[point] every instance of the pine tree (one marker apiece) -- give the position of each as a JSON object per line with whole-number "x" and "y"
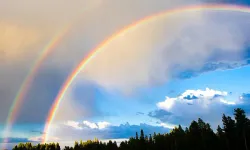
{"x": 136, "y": 136}
{"x": 229, "y": 129}
{"x": 142, "y": 135}
{"x": 150, "y": 139}
{"x": 241, "y": 125}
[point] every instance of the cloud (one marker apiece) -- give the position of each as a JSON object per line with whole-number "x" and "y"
{"x": 245, "y": 97}
{"x": 48, "y": 82}
{"x": 239, "y": 2}
{"x": 168, "y": 48}
{"x": 152, "y": 50}
{"x": 209, "y": 104}
{"x": 42, "y": 92}
{"x": 14, "y": 140}
{"x": 14, "y": 45}
{"x": 102, "y": 125}
{"x": 209, "y": 67}
{"x": 29, "y": 10}
{"x": 41, "y": 138}
{"x": 87, "y": 124}
{"x": 171, "y": 91}
{"x": 73, "y": 124}
{"x": 160, "y": 114}
{"x": 167, "y": 125}
{"x": 23, "y": 40}
{"x": 73, "y": 130}
{"x": 28, "y": 29}
{"x": 244, "y": 102}
{"x": 179, "y": 46}
{"x": 40, "y": 132}
{"x": 188, "y": 97}
{"x": 139, "y": 113}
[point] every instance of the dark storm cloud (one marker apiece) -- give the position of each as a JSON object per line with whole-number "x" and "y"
{"x": 42, "y": 93}
{"x": 209, "y": 67}
{"x": 11, "y": 76}
{"x": 45, "y": 87}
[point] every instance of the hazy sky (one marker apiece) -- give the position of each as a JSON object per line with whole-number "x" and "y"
{"x": 166, "y": 72}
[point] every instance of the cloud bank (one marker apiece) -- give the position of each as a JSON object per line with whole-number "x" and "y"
{"x": 207, "y": 104}
{"x": 171, "y": 47}
{"x": 101, "y": 130}
{"x": 146, "y": 56}
{"x": 27, "y": 29}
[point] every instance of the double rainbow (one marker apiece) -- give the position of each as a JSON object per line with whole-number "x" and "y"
{"x": 133, "y": 26}
{"x": 47, "y": 50}
{"x": 25, "y": 86}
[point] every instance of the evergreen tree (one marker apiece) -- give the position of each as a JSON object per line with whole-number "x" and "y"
{"x": 241, "y": 126}
{"x": 136, "y": 136}
{"x": 230, "y": 134}
{"x": 142, "y": 135}
{"x": 234, "y": 135}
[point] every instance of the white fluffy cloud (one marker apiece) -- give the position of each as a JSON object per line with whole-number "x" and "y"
{"x": 73, "y": 130}
{"x": 208, "y": 104}
{"x": 103, "y": 125}
{"x": 73, "y": 124}
{"x": 200, "y": 99}
{"x": 41, "y": 138}
{"x": 167, "y": 125}
{"x": 87, "y": 124}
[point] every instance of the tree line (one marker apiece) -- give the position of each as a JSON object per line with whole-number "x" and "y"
{"x": 234, "y": 134}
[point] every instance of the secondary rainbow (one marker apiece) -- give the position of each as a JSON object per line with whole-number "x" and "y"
{"x": 137, "y": 24}
{"x": 30, "y": 76}
{"x": 14, "y": 109}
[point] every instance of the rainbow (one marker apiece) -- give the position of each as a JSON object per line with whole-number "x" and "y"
{"x": 14, "y": 109}
{"x": 133, "y": 26}
{"x": 28, "y": 79}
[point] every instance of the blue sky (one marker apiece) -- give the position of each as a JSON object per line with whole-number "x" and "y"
{"x": 166, "y": 72}
{"x": 145, "y": 100}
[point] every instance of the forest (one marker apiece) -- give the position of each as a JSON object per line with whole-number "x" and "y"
{"x": 233, "y": 134}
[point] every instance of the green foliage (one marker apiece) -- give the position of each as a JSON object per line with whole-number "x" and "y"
{"x": 233, "y": 135}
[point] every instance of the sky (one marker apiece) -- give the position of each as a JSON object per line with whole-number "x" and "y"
{"x": 155, "y": 76}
